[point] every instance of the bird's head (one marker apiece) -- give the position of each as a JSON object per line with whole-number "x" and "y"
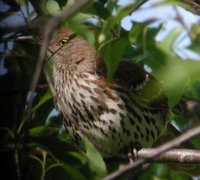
{"x": 69, "y": 50}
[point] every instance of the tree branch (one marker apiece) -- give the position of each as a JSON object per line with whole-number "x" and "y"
{"x": 173, "y": 155}
{"x": 194, "y": 5}
{"x": 156, "y": 152}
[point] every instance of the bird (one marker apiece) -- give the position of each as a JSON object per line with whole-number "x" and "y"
{"x": 130, "y": 111}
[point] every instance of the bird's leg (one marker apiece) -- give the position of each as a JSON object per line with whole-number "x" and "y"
{"x": 133, "y": 154}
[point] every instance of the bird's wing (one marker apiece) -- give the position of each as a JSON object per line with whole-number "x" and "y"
{"x": 148, "y": 89}
{"x": 134, "y": 79}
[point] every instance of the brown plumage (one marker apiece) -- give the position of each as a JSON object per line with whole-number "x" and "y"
{"x": 129, "y": 111}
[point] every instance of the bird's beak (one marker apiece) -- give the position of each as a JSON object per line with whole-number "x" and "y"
{"x": 30, "y": 39}
{"x": 33, "y": 40}
{"x": 24, "y": 38}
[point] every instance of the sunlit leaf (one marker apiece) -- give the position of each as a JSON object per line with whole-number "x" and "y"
{"x": 113, "y": 55}
{"x": 95, "y": 160}
{"x": 81, "y": 30}
{"x": 167, "y": 44}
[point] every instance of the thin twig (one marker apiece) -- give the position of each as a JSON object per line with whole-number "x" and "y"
{"x": 157, "y": 151}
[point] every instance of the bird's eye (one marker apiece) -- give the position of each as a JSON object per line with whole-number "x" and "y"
{"x": 64, "y": 41}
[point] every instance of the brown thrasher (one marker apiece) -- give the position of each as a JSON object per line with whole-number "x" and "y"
{"x": 128, "y": 112}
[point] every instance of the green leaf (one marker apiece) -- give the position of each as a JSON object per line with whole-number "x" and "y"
{"x": 137, "y": 33}
{"x": 52, "y": 7}
{"x": 167, "y": 44}
{"x": 122, "y": 12}
{"x": 196, "y": 142}
{"x": 43, "y": 100}
{"x": 101, "y": 10}
{"x": 176, "y": 90}
{"x": 62, "y": 3}
{"x": 43, "y": 131}
{"x": 176, "y": 74}
{"x": 95, "y": 160}
{"x": 178, "y": 175}
{"x": 79, "y": 156}
{"x": 113, "y": 55}
{"x": 81, "y": 30}
{"x": 179, "y": 76}
{"x": 60, "y": 148}
{"x": 74, "y": 173}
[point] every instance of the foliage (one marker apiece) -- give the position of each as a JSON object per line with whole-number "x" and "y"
{"x": 38, "y": 147}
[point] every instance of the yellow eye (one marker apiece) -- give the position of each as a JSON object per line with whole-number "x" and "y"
{"x": 63, "y": 41}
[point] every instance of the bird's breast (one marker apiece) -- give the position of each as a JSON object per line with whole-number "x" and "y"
{"x": 111, "y": 116}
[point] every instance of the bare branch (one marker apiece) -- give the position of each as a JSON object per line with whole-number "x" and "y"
{"x": 156, "y": 152}
{"x": 194, "y": 5}
{"x": 173, "y": 155}
{"x": 178, "y": 155}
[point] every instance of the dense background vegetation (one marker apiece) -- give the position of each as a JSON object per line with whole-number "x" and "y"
{"x": 34, "y": 144}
